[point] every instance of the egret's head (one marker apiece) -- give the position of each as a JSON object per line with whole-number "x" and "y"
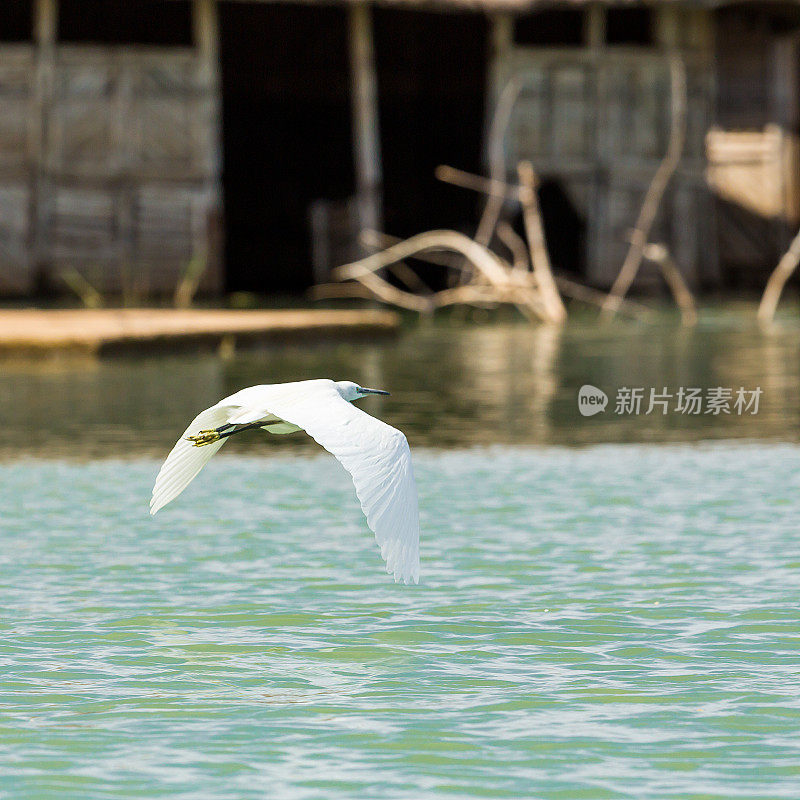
{"x": 352, "y": 391}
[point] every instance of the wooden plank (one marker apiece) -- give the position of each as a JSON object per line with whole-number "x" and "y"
{"x": 17, "y": 101}
{"x": 114, "y": 331}
{"x": 16, "y": 274}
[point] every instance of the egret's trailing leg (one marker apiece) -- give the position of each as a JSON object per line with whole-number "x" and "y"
{"x": 215, "y": 434}
{"x": 204, "y": 437}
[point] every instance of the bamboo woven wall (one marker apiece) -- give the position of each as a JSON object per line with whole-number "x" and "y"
{"x": 18, "y": 144}
{"x": 107, "y": 167}
{"x": 597, "y": 121}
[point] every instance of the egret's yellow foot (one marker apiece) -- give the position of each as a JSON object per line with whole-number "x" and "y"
{"x": 204, "y": 437}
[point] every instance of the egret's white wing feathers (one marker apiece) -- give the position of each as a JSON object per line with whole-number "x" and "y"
{"x": 377, "y": 457}
{"x": 185, "y": 460}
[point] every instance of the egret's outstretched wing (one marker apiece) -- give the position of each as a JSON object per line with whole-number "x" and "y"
{"x": 379, "y": 460}
{"x": 185, "y": 460}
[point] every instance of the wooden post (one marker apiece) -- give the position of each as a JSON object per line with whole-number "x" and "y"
{"x": 502, "y": 96}
{"x": 668, "y": 27}
{"x": 772, "y": 294}
{"x": 205, "y": 34}
{"x": 366, "y": 140}
{"x": 594, "y": 26}
{"x": 45, "y": 33}
{"x": 501, "y": 44}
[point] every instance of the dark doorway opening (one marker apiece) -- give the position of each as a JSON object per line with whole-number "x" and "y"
{"x": 550, "y": 27}
{"x": 431, "y": 83}
{"x": 118, "y": 22}
{"x": 16, "y": 21}
{"x": 628, "y": 26}
{"x": 287, "y": 137}
{"x": 564, "y": 229}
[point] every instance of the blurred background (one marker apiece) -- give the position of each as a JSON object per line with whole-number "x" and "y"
{"x": 250, "y": 142}
{"x": 233, "y": 155}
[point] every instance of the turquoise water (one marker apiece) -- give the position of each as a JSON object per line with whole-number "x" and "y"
{"x": 607, "y": 622}
{"x": 608, "y": 605}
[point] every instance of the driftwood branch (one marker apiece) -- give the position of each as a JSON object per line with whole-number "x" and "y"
{"x": 593, "y": 297}
{"x": 497, "y": 157}
{"x": 658, "y": 254}
{"x": 190, "y": 280}
{"x": 772, "y": 293}
{"x": 516, "y": 246}
{"x": 480, "y": 296}
{"x": 485, "y": 261}
{"x": 655, "y": 191}
{"x": 477, "y": 183}
{"x": 327, "y": 291}
{"x": 540, "y": 259}
{"x": 383, "y": 290}
{"x": 409, "y": 278}
{"x": 378, "y": 240}
{"x": 493, "y": 270}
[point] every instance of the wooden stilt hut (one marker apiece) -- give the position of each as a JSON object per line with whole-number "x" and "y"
{"x": 116, "y": 161}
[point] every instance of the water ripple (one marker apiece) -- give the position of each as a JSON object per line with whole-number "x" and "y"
{"x": 613, "y": 622}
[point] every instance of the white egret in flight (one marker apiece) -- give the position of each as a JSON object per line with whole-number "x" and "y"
{"x": 375, "y": 454}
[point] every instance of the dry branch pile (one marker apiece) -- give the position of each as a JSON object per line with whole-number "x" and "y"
{"x": 498, "y": 266}
{"x": 480, "y": 276}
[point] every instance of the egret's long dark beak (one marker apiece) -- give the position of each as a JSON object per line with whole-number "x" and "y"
{"x": 374, "y": 391}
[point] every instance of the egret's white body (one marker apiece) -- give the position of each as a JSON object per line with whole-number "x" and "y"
{"x": 375, "y": 454}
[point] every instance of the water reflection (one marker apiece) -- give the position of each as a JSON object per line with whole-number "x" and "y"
{"x": 451, "y": 386}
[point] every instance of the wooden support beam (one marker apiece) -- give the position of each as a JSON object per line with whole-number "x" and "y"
{"x": 366, "y": 140}
{"x": 467, "y": 180}
{"x": 501, "y": 43}
{"x": 594, "y": 26}
{"x": 207, "y": 257}
{"x": 205, "y": 34}
{"x": 45, "y": 22}
{"x": 45, "y": 34}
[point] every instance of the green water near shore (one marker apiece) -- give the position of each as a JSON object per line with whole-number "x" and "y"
{"x": 451, "y": 385}
{"x": 613, "y": 620}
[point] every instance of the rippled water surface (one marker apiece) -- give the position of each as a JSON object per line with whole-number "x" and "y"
{"x": 618, "y": 621}
{"x": 608, "y": 605}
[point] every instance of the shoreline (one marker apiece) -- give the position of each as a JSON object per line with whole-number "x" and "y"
{"x": 99, "y": 333}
